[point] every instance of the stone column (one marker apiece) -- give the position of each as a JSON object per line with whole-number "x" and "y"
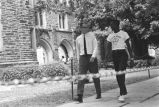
{"x": 1, "y": 38}
{"x": 34, "y": 41}
{"x": 44, "y": 19}
{"x": 38, "y": 19}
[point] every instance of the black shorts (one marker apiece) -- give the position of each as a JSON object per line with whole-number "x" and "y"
{"x": 85, "y": 65}
{"x": 120, "y": 58}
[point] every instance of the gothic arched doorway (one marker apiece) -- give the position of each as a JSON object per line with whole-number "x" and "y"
{"x": 65, "y": 50}
{"x": 44, "y": 53}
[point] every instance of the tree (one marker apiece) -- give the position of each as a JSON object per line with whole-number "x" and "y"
{"x": 136, "y": 16}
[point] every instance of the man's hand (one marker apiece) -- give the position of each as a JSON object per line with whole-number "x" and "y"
{"x": 131, "y": 62}
{"x": 92, "y": 59}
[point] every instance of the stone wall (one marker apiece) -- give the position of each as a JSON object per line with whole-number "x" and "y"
{"x": 1, "y": 41}
{"x": 52, "y": 21}
{"x": 17, "y": 20}
{"x": 59, "y": 35}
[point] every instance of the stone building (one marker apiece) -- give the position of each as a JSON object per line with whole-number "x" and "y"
{"x": 31, "y": 37}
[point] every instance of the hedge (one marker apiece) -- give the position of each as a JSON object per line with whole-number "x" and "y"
{"x": 34, "y": 71}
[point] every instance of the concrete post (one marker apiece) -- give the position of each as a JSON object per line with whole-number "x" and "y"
{"x": 34, "y": 39}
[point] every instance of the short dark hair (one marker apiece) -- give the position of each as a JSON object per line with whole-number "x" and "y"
{"x": 85, "y": 23}
{"x": 114, "y": 24}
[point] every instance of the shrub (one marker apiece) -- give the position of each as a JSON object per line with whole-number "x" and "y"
{"x": 155, "y": 62}
{"x": 34, "y": 71}
{"x": 55, "y": 69}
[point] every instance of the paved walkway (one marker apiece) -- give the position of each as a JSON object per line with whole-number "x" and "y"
{"x": 142, "y": 94}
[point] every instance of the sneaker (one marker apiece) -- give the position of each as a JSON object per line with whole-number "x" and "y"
{"x": 121, "y": 98}
{"x": 125, "y": 96}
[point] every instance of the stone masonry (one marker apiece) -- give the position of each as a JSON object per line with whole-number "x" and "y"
{"x": 17, "y": 22}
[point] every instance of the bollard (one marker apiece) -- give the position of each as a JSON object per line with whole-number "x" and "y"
{"x": 149, "y": 72}
{"x": 72, "y": 75}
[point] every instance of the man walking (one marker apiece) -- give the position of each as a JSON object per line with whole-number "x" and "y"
{"x": 86, "y": 46}
{"x": 119, "y": 40}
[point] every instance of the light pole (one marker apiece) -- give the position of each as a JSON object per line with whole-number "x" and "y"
{"x": 72, "y": 61}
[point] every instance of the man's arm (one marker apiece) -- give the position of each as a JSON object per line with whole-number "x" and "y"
{"x": 108, "y": 49}
{"x": 77, "y": 49}
{"x": 95, "y": 51}
{"x": 94, "y": 54}
{"x": 129, "y": 48}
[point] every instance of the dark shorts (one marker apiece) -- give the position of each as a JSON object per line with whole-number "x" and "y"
{"x": 85, "y": 65}
{"x": 120, "y": 58}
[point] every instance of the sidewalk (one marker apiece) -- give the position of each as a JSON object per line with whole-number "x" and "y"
{"x": 141, "y": 94}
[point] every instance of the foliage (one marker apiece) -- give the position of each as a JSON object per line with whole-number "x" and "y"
{"x": 155, "y": 25}
{"x": 143, "y": 12}
{"x": 100, "y": 12}
{"x": 54, "y": 5}
{"x": 153, "y": 37}
{"x": 33, "y": 71}
{"x": 82, "y": 10}
{"x": 136, "y": 16}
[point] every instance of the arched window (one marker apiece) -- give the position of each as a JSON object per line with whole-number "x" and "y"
{"x": 40, "y": 19}
{"x": 63, "y": 21}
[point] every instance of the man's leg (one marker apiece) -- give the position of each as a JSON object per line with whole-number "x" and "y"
{"x": 124, "y": 90}
{"x": 83, "y": 67}
{"x": 93, "y": 68}
{"x": 121, "y": 83}
{"x": 122, "y": 67}
{"x": 97, "y": 87}
{"x": 121, "y": 77}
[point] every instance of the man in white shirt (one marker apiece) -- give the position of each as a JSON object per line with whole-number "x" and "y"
{"x": 86, "y": 46}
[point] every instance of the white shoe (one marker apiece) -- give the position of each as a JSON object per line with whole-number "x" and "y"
{"x": 121, "y": 98}
{"x": 125, "y": 96}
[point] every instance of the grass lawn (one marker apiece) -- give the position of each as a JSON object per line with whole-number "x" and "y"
{"x": 54, "y": 99}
